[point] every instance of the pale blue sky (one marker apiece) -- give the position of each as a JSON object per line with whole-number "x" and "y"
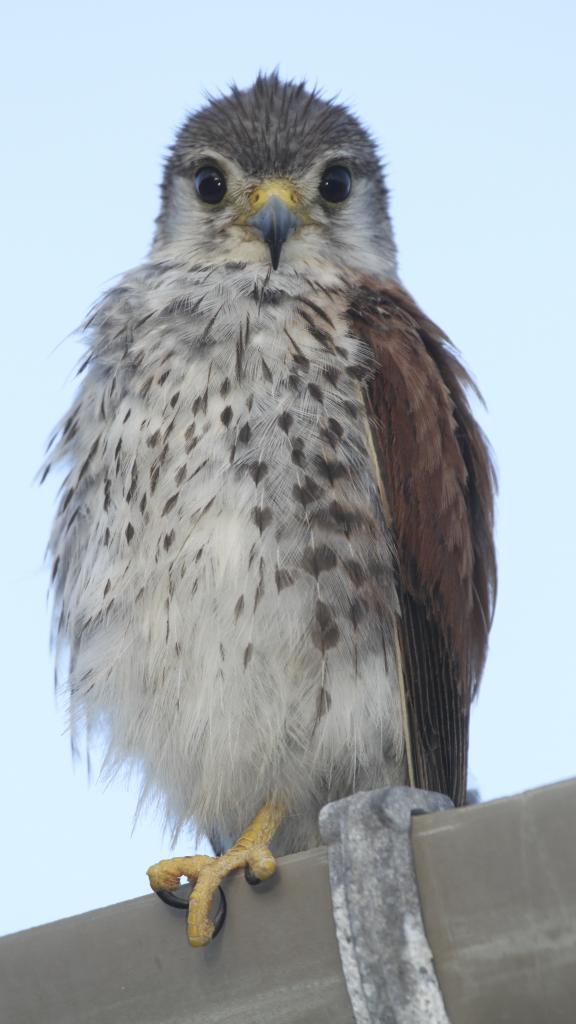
{"x": 473, "y": 107}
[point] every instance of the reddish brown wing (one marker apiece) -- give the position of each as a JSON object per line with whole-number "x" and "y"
{"x": 439, "y": 484}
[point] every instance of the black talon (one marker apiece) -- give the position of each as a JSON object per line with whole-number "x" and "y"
{"x": 250, "y": 877}
{"x": 220, "y": 914}
{"x": 173, "y": 899}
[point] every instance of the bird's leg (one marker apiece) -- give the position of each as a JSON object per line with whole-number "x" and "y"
{"x": 250, "y": 851}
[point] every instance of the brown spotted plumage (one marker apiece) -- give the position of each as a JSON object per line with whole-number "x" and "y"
{"x": 273, "y": 560}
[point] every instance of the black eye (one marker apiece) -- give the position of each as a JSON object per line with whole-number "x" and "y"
{"x": 210, "y": 184}
{"x": 335, "y": 184}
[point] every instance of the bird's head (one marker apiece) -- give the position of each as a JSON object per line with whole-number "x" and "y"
{"x": 275, "y": 175}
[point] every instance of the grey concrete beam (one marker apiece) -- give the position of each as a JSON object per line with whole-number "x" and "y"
{"x": 275, "y": 961}
{"x": 498, "y": 894}
{"x": 497, "y": 885}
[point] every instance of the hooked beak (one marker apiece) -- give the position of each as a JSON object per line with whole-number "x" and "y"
{"x": 275, "y": 221}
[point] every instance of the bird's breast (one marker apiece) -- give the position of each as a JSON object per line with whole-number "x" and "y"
{"x": 234, "y": 530}
{"x": 260, "y": 480}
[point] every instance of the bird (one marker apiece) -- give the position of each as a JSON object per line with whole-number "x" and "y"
{"x": 273, "y": 560}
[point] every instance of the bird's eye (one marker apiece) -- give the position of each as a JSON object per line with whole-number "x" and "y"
{"x": 335, "y": 184}
{"x": 210, "y": 184}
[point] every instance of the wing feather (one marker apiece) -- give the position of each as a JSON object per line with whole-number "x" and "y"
{"x": 439, "y": 481}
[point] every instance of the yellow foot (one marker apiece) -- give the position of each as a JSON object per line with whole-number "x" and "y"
{"x": 251, "y": 851}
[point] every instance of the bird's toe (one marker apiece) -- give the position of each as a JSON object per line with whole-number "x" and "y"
{"x": 168, "y": 873}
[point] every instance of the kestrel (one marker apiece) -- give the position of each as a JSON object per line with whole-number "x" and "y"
{"x": 273, "y": 557}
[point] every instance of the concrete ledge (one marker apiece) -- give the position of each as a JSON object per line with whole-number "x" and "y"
{"x": 498, "y": 894}
{"x": 497, "y": 885}
{"x": 276, "y": 961}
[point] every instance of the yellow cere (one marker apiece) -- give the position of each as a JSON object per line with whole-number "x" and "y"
{"x": 278, "y": 187}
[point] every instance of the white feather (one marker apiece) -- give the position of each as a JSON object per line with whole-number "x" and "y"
{"x": 219, "y": 707}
